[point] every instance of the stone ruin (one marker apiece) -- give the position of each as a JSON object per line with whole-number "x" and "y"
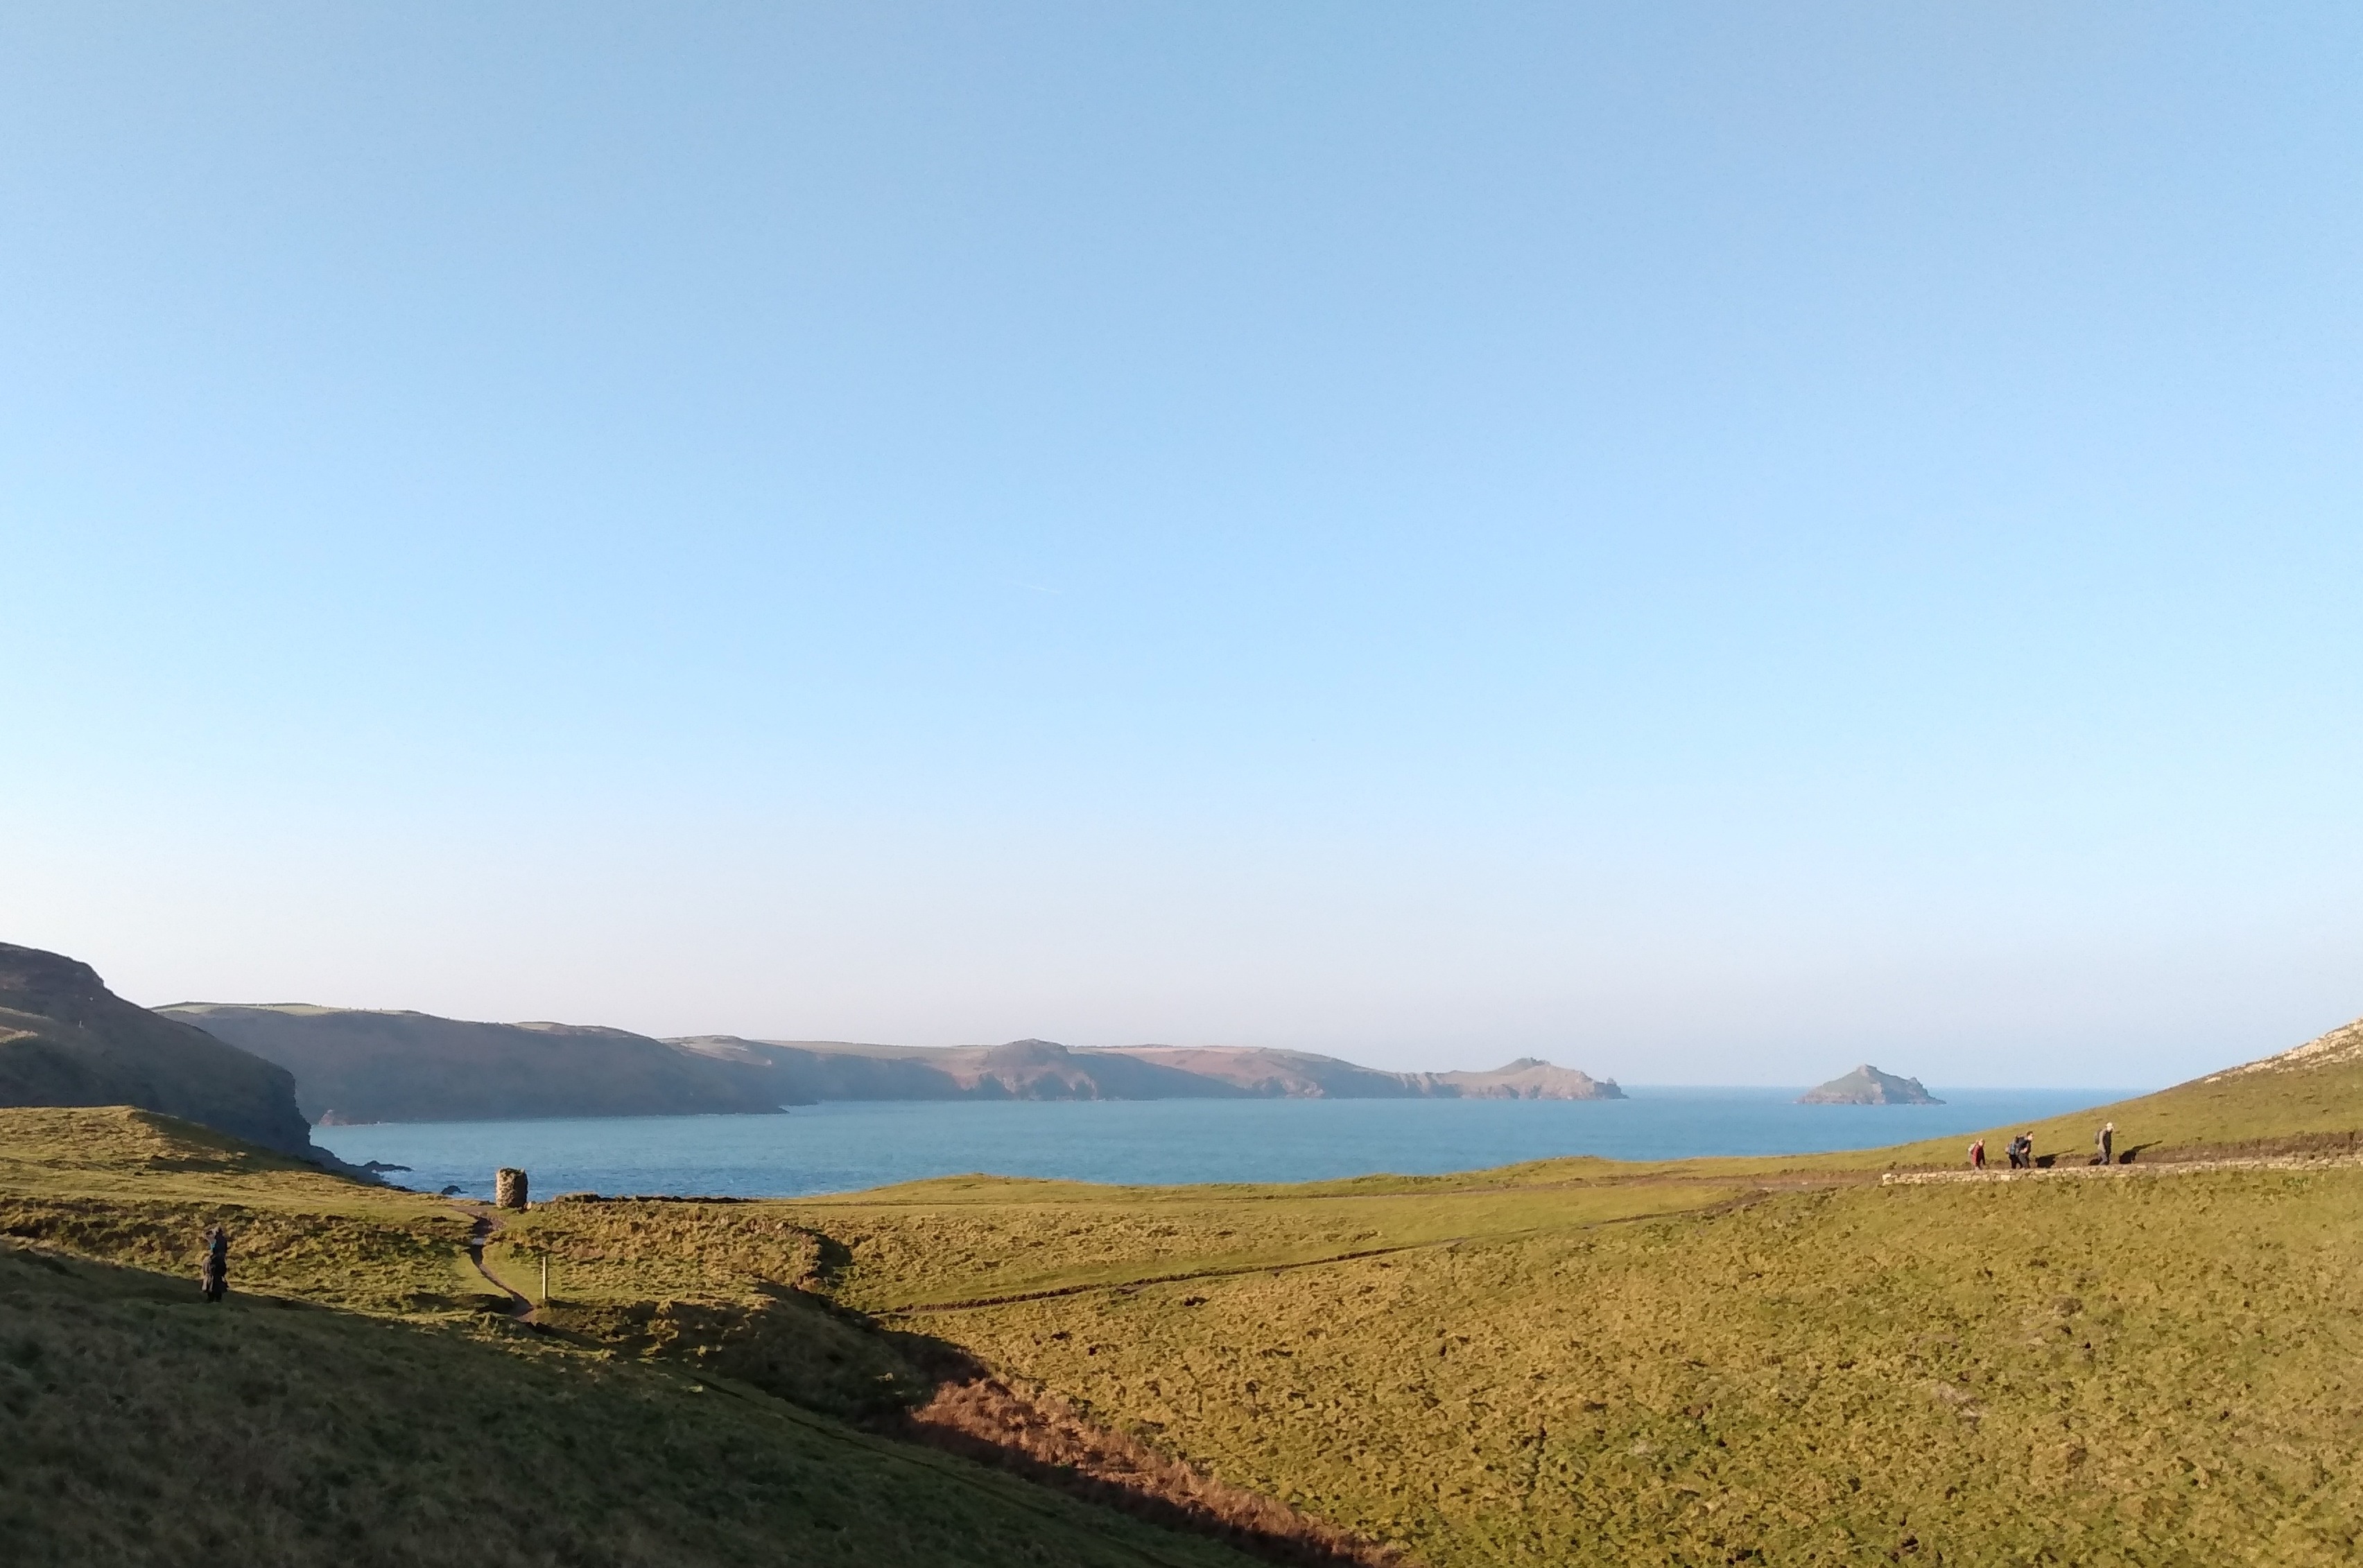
{"x": 509, "y": 1187}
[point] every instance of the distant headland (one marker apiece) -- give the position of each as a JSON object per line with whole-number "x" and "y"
{"x": 353, "y": 1065}
{"x": 1867, "y": 1085}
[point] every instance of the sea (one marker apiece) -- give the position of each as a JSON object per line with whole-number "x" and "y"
{"x": 852, "y": 1145}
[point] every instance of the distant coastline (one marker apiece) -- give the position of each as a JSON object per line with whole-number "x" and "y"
{"x": 360, "y": 1067}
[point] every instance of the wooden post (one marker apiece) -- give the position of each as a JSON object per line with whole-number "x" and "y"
{"x": 545, "y": 1279}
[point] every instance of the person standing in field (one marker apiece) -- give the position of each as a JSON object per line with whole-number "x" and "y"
{"x": 2105, "y": 1141}
{"x": 216, "y": 1266}
{"x": 1978, "y": 1155}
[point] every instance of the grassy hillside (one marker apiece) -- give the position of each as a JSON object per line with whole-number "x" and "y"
{"x": 2305, "y": 1099}
{"x": 1567, "y": 1362}
{"x": 143, "y": 1426}
{"x": 361, "y": 1396}
{"x": 1717, "y": 1360}
{"x": 966, "y": 1239}
{"x": 2149, "y": 1370}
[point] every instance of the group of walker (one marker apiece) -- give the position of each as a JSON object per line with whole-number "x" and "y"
{"x": 2021, "y": 1149}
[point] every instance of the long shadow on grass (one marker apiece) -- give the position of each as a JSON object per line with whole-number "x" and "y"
{"x": 1035, "y": 1433}
{"x": 803, "y": 1348}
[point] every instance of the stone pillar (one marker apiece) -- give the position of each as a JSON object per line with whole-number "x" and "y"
{"x": 509, "y": 1187}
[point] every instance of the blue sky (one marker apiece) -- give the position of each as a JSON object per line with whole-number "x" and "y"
{"x": 1707, "y": 543}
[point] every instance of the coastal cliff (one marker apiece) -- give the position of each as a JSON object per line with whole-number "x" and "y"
{"x": 358, "y": 1066}
{"x": 66, "y": 1040}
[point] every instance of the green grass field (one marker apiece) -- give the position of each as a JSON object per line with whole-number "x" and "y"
{"x": 2135, "y": 1371}
{"x": 1571, "y": 1362}
{"x": 354, "y": 1401}
{"x": 1715, "y": 1361}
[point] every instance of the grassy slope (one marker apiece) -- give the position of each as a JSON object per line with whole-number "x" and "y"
{"x": 399, "y": 1425}
{"x": 2310, "y": 1096}
{"x": 968, "y": 1238}
{"x": 2149, "y": 1370}
{"x": 1566, "y": 1362}
{"x": 2160, "y": 1369}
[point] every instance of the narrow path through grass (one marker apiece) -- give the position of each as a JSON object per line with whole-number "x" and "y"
{"x": 483, "y": 1229}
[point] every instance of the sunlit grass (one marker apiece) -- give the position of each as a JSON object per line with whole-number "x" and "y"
{"x": 1569, "y": 1361}
{"x": 138, "y": 1425}
{"x": 2072, "y": 1371}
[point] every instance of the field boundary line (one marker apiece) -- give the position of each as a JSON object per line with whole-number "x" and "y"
{"x": 2123, "y": 1172}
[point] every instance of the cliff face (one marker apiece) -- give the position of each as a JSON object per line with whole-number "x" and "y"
{"x": 65, "y": 1039}
{"x": 1867, "y": 1085}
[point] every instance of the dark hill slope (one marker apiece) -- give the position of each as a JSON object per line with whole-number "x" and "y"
{"x": 65, "y": 1039}
{"x": 358, "y": 1066}
{"x": 141, "y": 1426}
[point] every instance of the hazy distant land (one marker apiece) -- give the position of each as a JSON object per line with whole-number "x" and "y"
{"x": 1867, "y": 1085}
{"x": 358, "y": 1066}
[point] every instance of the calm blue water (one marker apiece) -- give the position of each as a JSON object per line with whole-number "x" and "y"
{"x": 847, "y": 1146}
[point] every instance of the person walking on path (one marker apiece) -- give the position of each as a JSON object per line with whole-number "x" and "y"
{"x": 217, "y": 1266}
{"x": 1978, "y": 1155}
{"x": 2105, "y": 1142}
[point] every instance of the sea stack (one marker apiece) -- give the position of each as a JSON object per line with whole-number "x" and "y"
{"x": 1867, "y": 1085}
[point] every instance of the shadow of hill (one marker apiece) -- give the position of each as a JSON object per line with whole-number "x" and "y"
{"x": 1033, "y": 1433}
{"x": 802, "y": 1348}
{"x": 144, "y": 1426}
